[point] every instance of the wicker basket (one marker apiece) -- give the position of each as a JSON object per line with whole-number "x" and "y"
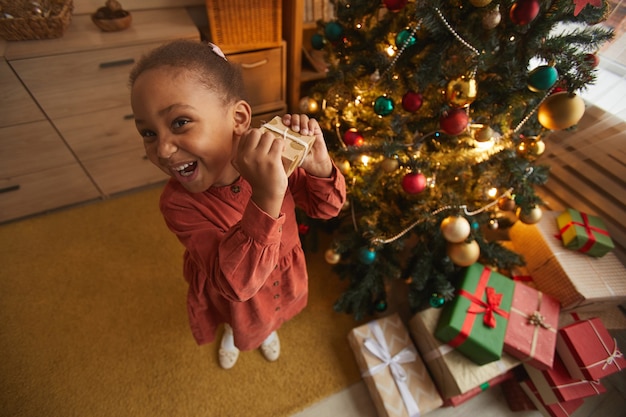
{"x": 19, "y": 28}
{"x": 239, "y": 25}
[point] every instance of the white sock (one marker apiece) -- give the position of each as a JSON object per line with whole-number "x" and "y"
{"x": 228, "y": 340}
{"x": 270, "y": 338}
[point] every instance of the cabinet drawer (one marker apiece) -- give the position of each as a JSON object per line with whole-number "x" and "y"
{"x": 102, "y": 133}
{"x": 44, "y": 190}
{"x": 72, "y": 84}
{"x": 16, "y": 104}
{"x": 264, "y": 77}
{"x": 31, "y": 147}
{"x": 124, "y": 171}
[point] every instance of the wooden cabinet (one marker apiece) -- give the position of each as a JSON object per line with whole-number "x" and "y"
{"x": 75, "y": 139}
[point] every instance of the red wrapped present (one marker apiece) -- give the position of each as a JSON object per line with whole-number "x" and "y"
{"x": 557, "y": 385}
{"x": 562, "y": 409}
{"x": 589, "y": 351}
{"x": 584, "y": 233}
{"x": 533, "y": 322}
{"x": 462, "y": 398}
{"x": 516, "y": 397}
{"x": 393, "y": 372}
{"x": 475, "y": 322}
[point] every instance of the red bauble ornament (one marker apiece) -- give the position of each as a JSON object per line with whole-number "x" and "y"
{"x": 303, "y": 229}
{"x": 592, "y": 59}
{"x": 395, "y": 5}
{"x": 524, "y": 11}
{"x": 412, "y": 101}
{"x": 414, "y": 183}
{"x": 454, "y": 121}
{"x": 352, "y": 137}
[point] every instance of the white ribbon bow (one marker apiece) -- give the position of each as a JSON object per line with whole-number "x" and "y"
{"x": 378, "y": 347}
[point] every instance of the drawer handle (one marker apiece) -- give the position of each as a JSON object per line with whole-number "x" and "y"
{"x": 119, "y": 63}
{"x": 255, "y": 64}
{"x": 129, "y": 117}
{"x": 9, "y": 188}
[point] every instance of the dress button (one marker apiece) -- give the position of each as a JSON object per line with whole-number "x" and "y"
{"x": 276, "y": 283}
{"x": 235, "y": 189}
{"x": 277, "y": 308}
{"x": 276, "y": 296}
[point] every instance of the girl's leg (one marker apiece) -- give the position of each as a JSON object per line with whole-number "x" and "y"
{"x": 228, "y": 353}
{"x": 271, "y": 347}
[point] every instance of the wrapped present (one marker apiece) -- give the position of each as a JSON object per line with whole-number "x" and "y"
{"x": 298, "y": 145}
{"x": 579, "y": 282}
{"x": 557, "y": 385}
{"x": 475, "y": 321}
{"x": 584, "y": 233}
{"x": 589, "y": 351}
{"x": 394, "y": 373}
{"x": 561, "y": 409}
{"x": 454, "y": 374}
{"x": 515, "y": 396}
{"x": 533, "y": 322}
{"x": 613, "y": 318}
{"x": 463, "y": 398}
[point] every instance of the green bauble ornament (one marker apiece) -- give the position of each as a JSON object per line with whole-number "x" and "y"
{"x": 437, "y": 300}
{"x": 333, "y": 31}
{"x": 381, "y": 305}
{"x": 367, "y": 256}
{"x": 317, "y": 41}
{"x": 383, "y": 106}
{"x": 405, "y": 38}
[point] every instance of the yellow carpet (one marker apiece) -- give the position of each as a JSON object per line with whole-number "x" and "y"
{"x": 93, "y": 323}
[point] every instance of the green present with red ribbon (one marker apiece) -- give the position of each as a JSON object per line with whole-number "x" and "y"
{"x": 584, "y": 233}
{"x": 475, "y": 321}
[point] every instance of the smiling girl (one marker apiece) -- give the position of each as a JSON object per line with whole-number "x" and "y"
{"x": 228, "y": 200}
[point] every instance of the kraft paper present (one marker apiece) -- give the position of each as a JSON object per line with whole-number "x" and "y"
{"x": 589, "y": 351}
{"x": 463, "y": 398}
{"x": 532, "y": 330}
{"x": 557, "y": 385}
{"x": 584, "y": 233}
{"x": 298, "y": 145}
{"x": 454, "y": 374}
{"x": 578, "y": 281}
{"x": 394, "y": 373}
{"x": 475, "y": 321}
{"x": 562, "y": 409}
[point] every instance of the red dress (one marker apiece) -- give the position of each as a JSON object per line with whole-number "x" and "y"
{"x": 243, "y": 266}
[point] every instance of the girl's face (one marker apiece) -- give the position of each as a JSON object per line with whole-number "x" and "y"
{"x": 187, "y": 129}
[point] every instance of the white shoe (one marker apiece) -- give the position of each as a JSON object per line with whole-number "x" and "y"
{"x": 228, "y": 353}
{"x": 271, "y": 347}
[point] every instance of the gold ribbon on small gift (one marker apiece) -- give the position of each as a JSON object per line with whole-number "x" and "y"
{"x": 612, "y": 353}
{"x": 379, "y": 348}
{"x": 535, "y": 319}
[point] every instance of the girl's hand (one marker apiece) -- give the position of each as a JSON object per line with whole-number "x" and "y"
{"x": 258, "y": 160}
{"x": 317, "y": 162}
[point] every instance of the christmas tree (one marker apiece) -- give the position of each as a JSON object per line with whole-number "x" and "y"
{"x": 437, "y": 112}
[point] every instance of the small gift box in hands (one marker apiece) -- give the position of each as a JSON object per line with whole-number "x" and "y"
{"x": 297, "y": 146}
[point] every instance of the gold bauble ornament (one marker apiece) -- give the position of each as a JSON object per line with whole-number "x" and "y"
{"x": 484, "y": 134}
{"x": 561, "y": 111}
{"x": 531, "y": 147}
{"x": 492, "y": 18}
{"x": 480, "y": 3}
{"x": 389, "y": 164}
{"x": 344, "y": 167}
{"x": 455, "y": 228}
{"x": 462, "y": 91}
{"x": 532, "y": 217}
{"x": 463, "y": 253}
{"x": 332, "y": 257}
{"x": 309, "y": 105}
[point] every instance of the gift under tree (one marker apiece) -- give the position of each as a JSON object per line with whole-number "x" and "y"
{"x": 436, "y": 112}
